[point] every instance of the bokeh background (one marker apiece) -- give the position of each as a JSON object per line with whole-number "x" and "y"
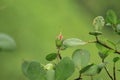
{"x": 34, "y": 24}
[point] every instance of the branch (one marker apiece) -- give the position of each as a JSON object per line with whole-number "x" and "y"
{"x": 114, "y": 71}
{"x": 108, "y": 73}
{"x": 99, "y": 42}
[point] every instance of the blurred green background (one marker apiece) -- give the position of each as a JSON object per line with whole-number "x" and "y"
{"x": 34, "y": 24}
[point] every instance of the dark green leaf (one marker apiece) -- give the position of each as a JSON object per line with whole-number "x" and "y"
{"x": 84, "y": 69}
{"x": 51, "y": 56}
{"x": 103, "y": 55}
{"x": 95, "y": 69}
{"x": 81, "y": 57}
{"x": 95, "y": 33}
{"x": 111, "y": 17}
{"x": 116, "y": 59}
{"x": 64, "y": 69}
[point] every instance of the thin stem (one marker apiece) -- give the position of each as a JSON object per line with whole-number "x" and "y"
{"x": 79, "y": 78}
{"x": 107, "y": 71}
{"x": 58, "y": 54}
{"x": 114, "y": 71}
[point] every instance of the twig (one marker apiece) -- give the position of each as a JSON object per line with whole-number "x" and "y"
{"x": 107, "y": 70}
{"x": 99, "y": 42}
{"x": 58, "y": 54}
{"x": 108, "y": 73}
{"x": 114, "y": 71}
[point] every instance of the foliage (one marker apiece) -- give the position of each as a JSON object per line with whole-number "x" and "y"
{"x": 61, "y": 68}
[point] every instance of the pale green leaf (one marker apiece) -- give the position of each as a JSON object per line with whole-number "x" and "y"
{"x": 6, "y": 42}
{"x": 73, "y": 42}
{"x": 81, "y": 57}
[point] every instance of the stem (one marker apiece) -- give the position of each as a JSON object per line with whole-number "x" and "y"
{"x": 114, "y": 71}
{"x": 58, "y": 54}
{"x": 79, "y": 78}
{"x": 107, "y": 71}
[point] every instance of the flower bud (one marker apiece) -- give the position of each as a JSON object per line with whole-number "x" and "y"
{"x": 59, "y": 40}
{"x": 49, "y": 66}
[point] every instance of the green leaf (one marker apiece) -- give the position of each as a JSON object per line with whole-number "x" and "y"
{"x": 103, "y": 55}
{"x": 81, "y": 57}
{"x": 33, "y": 70}
{"x": 84, "y": 69}
{"x": 7, "y": 43}
{"x": 95, "y": 33}
{"x": 98, "y": 23}
{"x": 50, "y": 75}
{"x": 64, "y": 69}
{"x": 73, "y": 42}
{"x": 111, "y": 17}
{"x": 95, "y": 69}
{"x": 115, "y": 59}
{"x": 51, "y": 56}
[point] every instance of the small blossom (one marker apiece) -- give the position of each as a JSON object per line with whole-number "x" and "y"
{"x": 60, "y": 37}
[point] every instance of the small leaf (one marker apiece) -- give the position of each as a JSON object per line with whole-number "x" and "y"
{"x": 111, "y": 17}
{"x": 81, "y": 57}
{"x": 95, "y": 33}
{"x": 64, "y": 69}
{"x": 98, "y": 23}
{"x": 51, "y": 56}
{"x": 73, "y": 42}
{"x": 84, "y": 69}
{"x": 116, "y": 59}
{"x": 7, "y": 43}
{"x": 103, "y": 55}
{"x": 95, "y": 69}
